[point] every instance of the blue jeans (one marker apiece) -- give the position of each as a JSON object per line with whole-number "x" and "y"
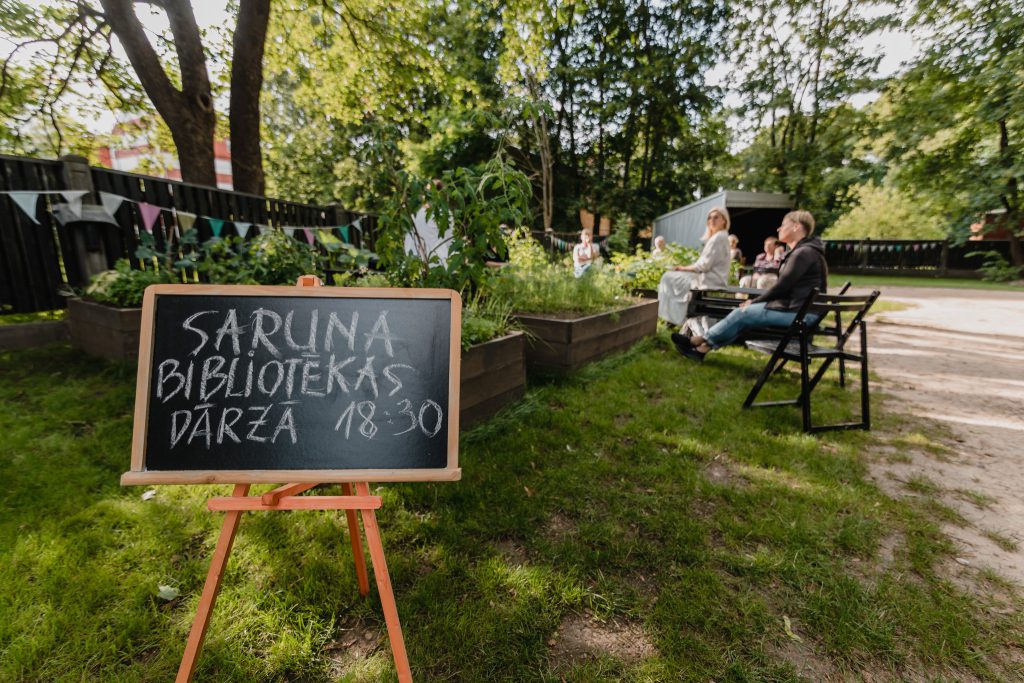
{"x": 729, "y": 328}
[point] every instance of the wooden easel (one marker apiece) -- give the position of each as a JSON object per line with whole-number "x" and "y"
{"x": 288, "y": 497}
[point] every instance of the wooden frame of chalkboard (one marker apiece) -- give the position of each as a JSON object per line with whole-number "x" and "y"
{"x": 139, "y": 474}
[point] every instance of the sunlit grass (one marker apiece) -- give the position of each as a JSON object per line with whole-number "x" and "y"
{"x": 636, "y": 491}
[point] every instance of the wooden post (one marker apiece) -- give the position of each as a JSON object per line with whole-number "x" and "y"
{"x": 210, "y": 589}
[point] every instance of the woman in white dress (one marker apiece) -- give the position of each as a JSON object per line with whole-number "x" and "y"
{"x": 710, "y": 270}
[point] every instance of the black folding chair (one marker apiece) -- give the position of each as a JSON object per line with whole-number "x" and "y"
{"x": 713, "y": 304}
{"x": 797, "y": 345}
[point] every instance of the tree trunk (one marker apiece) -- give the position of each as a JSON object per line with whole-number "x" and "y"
{"x": 1011, "y": 197}
{"x": 246, "y": 84}
{"x": 189, "y": 112}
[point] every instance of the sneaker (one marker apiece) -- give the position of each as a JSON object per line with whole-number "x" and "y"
{"x": 682, "y": 342}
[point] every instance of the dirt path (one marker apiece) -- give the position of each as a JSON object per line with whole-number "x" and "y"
{"x": 957, "y": 358}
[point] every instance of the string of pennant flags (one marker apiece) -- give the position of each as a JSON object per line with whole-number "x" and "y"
{"x": 875, "y": 248}
{"x": 72, "y": 209}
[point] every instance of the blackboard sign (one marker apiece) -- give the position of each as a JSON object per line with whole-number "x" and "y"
{"x": 248, "y": 384}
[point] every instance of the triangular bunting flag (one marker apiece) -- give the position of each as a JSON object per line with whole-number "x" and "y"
{"x": 186, "y": 219}
{"x": 289, "y": 230}
{"x": 310, "y": 237}
{"x": 74, "y": 200}
{"x": 242, "y": 228}
{"x": 26, "y": 201}
{"x": 110, "y": 201}
{"x": 216, "y": 225}
{"x": 149, "y": 215}
{"x": 261, "y": 228}
{"x": 344, "y": 233}
{"x": 327, "y": 238}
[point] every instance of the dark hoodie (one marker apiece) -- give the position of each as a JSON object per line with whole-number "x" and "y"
{"x": 803, "y": 270}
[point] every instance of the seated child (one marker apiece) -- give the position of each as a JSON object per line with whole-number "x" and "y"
{"x": 766, "y": 265}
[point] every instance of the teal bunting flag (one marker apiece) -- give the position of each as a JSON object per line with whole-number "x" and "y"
{"x": 216, "y": 225}
{"x": 344, "y": 234}
{"x": 26, "y": 201}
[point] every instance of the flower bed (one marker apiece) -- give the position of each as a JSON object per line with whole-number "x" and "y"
{"x": 560, "y": 345}
{"x": 493, "y": 375}
{"x": 106, "y": 331}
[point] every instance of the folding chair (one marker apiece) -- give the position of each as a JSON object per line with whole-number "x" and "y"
{"x": 797, "y": 345}
{"x": 708, "y": 306}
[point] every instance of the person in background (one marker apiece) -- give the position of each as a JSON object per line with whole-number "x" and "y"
{"x": 710, "y": 270}
{"x": 659, "y": 246}
{"x": 803, "y": 271}
{"x": 734, "y": 250}
{"x": 766, "y": 266}
{"x": 584, "y": 254}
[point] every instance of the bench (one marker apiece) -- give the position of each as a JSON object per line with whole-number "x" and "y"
{"x": 797, "y": 344}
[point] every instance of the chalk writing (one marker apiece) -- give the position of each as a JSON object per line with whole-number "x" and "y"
{"x": 236, "y": 379}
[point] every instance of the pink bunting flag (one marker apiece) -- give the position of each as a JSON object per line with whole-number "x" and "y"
{"x": 310, "y": 237}
{"x": 149, "y": 215}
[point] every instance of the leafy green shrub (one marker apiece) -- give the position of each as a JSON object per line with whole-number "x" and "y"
{"x": 532, "y": 284}
{"x": 272, "y": 258}
{"x": 996, "y": 268}
{"x": 468, "y": 206}
{"x": 124, "y": 286}
{"x": 644, "y": 271}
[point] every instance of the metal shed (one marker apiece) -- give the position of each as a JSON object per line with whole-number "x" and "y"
{"x": 754, "y": 216}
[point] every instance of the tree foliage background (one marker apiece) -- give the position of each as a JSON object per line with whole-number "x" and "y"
{"x": 626, "y": 108}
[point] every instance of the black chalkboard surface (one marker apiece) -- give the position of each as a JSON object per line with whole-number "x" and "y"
{"x": 246, "y": 384}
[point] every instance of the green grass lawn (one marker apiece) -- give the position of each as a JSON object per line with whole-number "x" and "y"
{"x": 634, "y": 503}
{"x": 899, "y": 281}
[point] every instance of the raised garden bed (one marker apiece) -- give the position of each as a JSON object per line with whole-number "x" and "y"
{"x": 493, "y": 375}
{"x": 561, "y": 345}
{"x": 30, "y": 335}
{"x": 105, "y": 331}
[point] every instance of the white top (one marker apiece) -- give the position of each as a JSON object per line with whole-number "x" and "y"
{"x": 579, "y": 254}
{"x": 713, "y": 265}
{"x": 423, "y": 240}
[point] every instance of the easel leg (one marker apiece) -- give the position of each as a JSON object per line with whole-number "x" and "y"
{"x": 387, "y": 595}
{"x": 357, "y": 545}
{"x": 210, "y": 589}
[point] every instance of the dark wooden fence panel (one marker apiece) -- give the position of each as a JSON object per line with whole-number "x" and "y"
{"x": 32, "y": 271}
{"x": 37, "y": 262}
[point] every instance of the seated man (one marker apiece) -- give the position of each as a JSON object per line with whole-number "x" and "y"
{"x": 803, "y": 270}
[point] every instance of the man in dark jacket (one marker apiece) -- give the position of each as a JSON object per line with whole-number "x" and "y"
{"x": 803, "y": 270}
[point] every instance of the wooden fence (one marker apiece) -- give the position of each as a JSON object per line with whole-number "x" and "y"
{"x": 39, "y": 263}
{"x": 935, "y": 258}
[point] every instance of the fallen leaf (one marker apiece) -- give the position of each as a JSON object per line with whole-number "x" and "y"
{"x": 167, "y": 592}
{"x": 529, "y": 493}
{"x": 789, "y": 629}
{"x": 568, "y": 448}
{"x": 149, "y": 494}
{"x": 962, "y": 561}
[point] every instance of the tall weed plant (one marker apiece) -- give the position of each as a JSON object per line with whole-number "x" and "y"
{"x": 532, "y": 284}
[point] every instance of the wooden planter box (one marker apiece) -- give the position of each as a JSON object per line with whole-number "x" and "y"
{"x": 560, "y": 346}
{"x": 105, "y": 331}
{"x": 493, "y": 375}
